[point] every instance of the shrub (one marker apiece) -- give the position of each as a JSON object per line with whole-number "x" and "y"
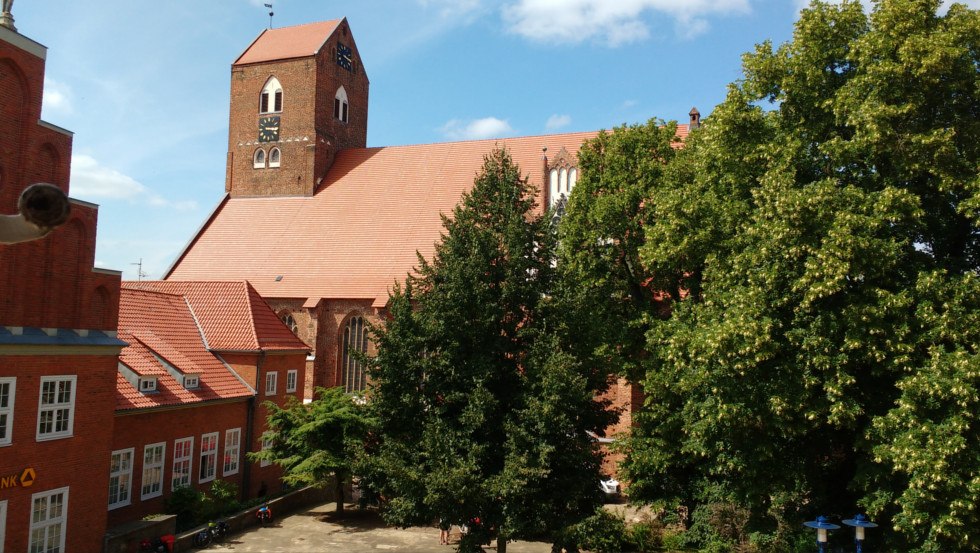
{"x": 602, "y": 532}
{"x": 186, "y": 503}
{"x": 646, "y": 536}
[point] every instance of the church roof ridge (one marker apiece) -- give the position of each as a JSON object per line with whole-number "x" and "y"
{"x": 297, "y": 41}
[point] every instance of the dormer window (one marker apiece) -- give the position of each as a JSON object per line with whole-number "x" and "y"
{"x": 192, "y": 381}
{"x": 148, "y": 384}
{"x": 270, "y": 101}
{"x": 258, "y": 159}
{"x": 340, "y": 106}
{"x": 274, "y": 156}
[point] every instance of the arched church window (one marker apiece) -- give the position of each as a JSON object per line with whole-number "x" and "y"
{"x": 340, "y": 106}
{"x": 288, "y": 320}
{"x": 572, "y": 177}
{"x": 274, "y": 156}
{"x": 352, "y": 368}
{"x": 258, "y": 159}
{"x": 553, "y": 191}
{"x": 270, "y": 100}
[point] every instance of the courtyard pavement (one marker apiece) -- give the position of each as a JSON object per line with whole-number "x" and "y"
{"x": 313, "y": 530}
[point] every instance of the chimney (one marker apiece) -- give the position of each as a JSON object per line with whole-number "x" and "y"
{"x": 695, "y": 118}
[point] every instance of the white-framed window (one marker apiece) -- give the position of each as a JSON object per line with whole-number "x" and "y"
{"x": 191, "y": 381}
{"x": 183, "y": 453}
{"x": 258, "y": 159}
{"x": 49, "y": 511}
{"x": 270, "y": 100}
{"x": 148, "y": 384}
{"x": 271, "y": 380}
{"x": 8, "y": 387}
{"x": 3, "y": 523}
{"x": 120, "y": 478}
{"x": 340, "y": 106}
{"x": 355, "y": 341}
{"x": 233, "y": 448}
{"x": 560, "y": 184}
{"x": 274, "y": 157}
{"x": 291, "y": 381}
{"x": 209, "y": 457}
{"x": 152, "y": 482}
{"x": 266, "y": 444}
{"x": 56, "y": 407}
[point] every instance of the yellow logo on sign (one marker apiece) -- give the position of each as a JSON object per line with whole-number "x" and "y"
{"x": 27, "y": 477}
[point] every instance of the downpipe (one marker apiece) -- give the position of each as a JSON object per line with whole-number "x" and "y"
{"x": 42, "y": 208}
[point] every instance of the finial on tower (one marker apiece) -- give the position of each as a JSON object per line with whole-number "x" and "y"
{"x": 6, "y": 17}
{"x": 270, "y": 13}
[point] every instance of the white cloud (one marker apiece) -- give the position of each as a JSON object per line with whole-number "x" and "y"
{"x": 57, "y": 97}
{"x": 629, "y": 104}
{"x": 556, "y": 122}
{"x": 90, "y": 179}
{"x": 614, "y": 22}
{"x": 488, "y": 127}
{"x": 454, "y": 9}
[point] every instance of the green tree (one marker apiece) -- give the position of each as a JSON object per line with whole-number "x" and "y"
{"x": 482, "y": 414}
{"x": 818, "y": 244}
{"x": 318, "y": 441}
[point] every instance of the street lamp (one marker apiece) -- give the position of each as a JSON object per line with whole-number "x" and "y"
{"x": 822, "y": 526}
{"x": 859, "y": 522}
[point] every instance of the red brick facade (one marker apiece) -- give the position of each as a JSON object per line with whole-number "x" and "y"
{"x": 58, "y": 353}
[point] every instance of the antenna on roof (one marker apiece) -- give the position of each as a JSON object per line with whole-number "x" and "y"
{"x": 271, "y": 13}
{"x": 139, "y": 270}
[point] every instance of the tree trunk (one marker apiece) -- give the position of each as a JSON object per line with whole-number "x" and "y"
{"x": 501, "y": 544}
{"x": 339, "y": 490}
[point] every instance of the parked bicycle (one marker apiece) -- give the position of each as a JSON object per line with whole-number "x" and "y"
{"x": 215, "y": 531}
{"x": 264, "y": 514}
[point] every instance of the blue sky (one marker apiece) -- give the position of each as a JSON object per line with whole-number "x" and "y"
{"x": 144, "y": 84}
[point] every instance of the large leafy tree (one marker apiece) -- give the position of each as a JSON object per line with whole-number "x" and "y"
{"x": 482, "y": 412}
{"x": 317, "y": 442}
{"x": 818, "y": 244}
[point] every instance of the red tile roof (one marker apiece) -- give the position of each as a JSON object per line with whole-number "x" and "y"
{"x": 232, "y": 315}
{"x": 285, "y": 43}
{"x": 360, "y": 232}
{"x": 161, "y": 330}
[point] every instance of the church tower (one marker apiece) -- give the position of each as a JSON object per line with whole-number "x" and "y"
{"x": 298, "y": 96}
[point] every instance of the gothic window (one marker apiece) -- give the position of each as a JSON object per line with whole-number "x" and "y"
{"x": 289, "y": 321}
{"x": 258, "y": 159}
{"x": 270, "y": 101}
{"x": 274, "y": 157}
{"x": 340, "y": 106}
{"x": 352, "y": 368}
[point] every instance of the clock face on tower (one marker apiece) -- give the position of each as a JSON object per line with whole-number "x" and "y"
{"x": 344, "y": 56}
{"x": 269, "y": 129}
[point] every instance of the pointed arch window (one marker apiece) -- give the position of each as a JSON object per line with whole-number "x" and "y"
{"x": 270, "y": 101}
{"x": 352, "y": 368}
{"x": 274, "y": 155}
{"x": 340, "y": 106}
{"x": 258, "y": 159}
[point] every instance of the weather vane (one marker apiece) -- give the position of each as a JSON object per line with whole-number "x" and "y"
{"x": 271, "y": 13}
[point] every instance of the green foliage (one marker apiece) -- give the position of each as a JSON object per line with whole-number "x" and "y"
{"x": 185, "y": 502}
{"x": 482, "y": 411}
{"x": 194, "y": 508}
{"x": 317, "y": 442}
{"x": 818, "y": 243}
{"x": 603, "y": 532}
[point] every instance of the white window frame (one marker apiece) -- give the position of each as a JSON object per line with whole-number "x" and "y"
{"x": 271, "y": 92}
{"x": 271, "y": 383}
{"x": 208, "y": 469}
{"x": 42, "y": 527}
{"x": 7, "y": 414}
{"x": 148, "y": 385}
{"x": 258, "y": 159}
{"x": 56, "y": 407}
{"x": 266, "y": 444}
{"x": 341, "y": 107}
{"x": 3, "y": 523}
{"x": 153, "y": 470}
{"x": 275, "y": 157}
{"x": 192, "y": 381}
{"x": 123, "y": 476}
{"x": 185, "y": 475}
{"x": 291, "y": 377}
{"x": 233, "y": 451}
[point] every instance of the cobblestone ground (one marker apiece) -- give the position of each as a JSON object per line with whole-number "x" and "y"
{"x": 314, "y": 531}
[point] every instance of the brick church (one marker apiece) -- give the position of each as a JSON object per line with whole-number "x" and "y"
{"x": 320, "y": 224}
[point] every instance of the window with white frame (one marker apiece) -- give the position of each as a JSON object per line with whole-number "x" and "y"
{"x": 120, "y": 478}
{"x": 152, "y": 482}
{"x": 233, "y": 447}
{"x": 148, "y": 384}
{"x": 56, "y": 407}
{"x": 340, "y": 106}
{"x": 270, "y": 100}
{"x": 355, "y": 342}
{"x": 8, "y": 386}
{"x": 209, "y": 457}
{"x": 183, "y": 453}
{"x": 258, "y": 159}
{"x": 191, "y": 381}
{"x": 49, "y": 512}
{"x": 274, "y": 156}
{"x": 291, "y": 381}
{"x": 271, "y": 380}
{"x": 266, "y": 444}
